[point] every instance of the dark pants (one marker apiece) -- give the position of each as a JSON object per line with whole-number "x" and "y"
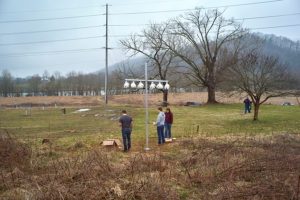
{"x": 160, "y": 134}
{"x": 247, "y": 108}
{"x": 126, "y": 132}
{"x": 167, "y": 130}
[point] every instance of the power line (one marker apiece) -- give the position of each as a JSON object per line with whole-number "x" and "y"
{"x": 101, "y": 36}
{"x": 143, "y": 2}
{"x": 269, "y": 27}
{"x": 50, "y": 41}
{"x": 180, "y": 10}
{"x": 46, "y": 19}
{"x": 152, "y": 12}
{"x": 50, "y": 52}
{"x": 260, "y": 17}
{"x": 93, "y": 49}
{"x": 127, "y": 25}
{"x": 83, "y": 7}
{"x": 50, "y": 30}
{"x": 137, "y": 13}
{"x": 93, "y": 37}
{"x": 87, "y": 7}
{"x": 269, "y": 16}
{"x": 243, "y": 4}
{"x": 240, "y": 19}
{"x": 49, "y": 10}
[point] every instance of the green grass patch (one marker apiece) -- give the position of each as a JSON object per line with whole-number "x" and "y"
{"x": 93, "y": 126}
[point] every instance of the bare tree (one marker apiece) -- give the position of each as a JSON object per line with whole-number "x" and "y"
{"x": 198, "y": 39}
{"x": 34, "y": 84}
{"x": 6, "y": 84}
{"x": 150, "y": 44}
{"x": 126, "y": 69}
{"x": 261, "y": 77}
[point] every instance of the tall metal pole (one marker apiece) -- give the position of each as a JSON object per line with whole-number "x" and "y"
{"x": 146, "y": 102}
{"x": 106, "y": 54}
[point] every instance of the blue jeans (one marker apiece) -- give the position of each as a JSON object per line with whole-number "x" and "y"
{"x": 247, "y": 108}
{"x": 126, "y": 132}
{"x": 167, "y": 130}
{"x": 160, "y": 134}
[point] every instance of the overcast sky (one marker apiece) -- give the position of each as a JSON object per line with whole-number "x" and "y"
{"x": 26, "y": 59}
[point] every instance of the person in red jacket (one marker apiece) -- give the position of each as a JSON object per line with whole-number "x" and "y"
{"x": 168, "y": 122}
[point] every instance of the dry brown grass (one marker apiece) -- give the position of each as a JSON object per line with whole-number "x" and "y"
{"x": 13, "y": 153}
{"x": 243, "y": 169}
{"x": 229, "y": 167}
{"x": 52, "y": 101}
{"x": 130, "y": 99}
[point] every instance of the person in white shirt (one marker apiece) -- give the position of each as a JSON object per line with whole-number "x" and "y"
{"x": 160, "y": 122}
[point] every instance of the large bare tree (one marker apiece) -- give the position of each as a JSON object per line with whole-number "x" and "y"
{"x": 261, "y": 77}
{"x": 150, "y": 44}
{"x": 199, "y": 39}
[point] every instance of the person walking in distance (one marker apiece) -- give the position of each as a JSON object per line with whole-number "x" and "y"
{"x": 126, "y": 123}
{"x": 168, "y": 123}
{"x": 247, "y": 103}
{"x": 160, "y": 122}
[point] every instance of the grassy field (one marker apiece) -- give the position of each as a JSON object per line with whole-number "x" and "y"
{"x": 93, "y": 126}
{"x": 208, "y": 151}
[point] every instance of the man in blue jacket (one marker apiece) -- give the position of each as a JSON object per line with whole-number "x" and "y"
{"x": 160, "y": 122}
{"x": 247, "y": 103}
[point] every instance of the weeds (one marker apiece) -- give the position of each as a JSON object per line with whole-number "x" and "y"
{"x": 203, "y": 168}
{"x": 13, "y": 153}
{"x": 243, "y": 169}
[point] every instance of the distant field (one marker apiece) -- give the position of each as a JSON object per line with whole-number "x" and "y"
{"x": 133, "y": 99}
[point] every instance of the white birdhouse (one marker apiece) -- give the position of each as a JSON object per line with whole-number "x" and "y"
{"x": 140, "y": 85}
{"x": 167, "y": 86}
{"x": 126, "y": 84}
{"x": 159, "y": 86}
{"x": 152, "y": 86}
{"x": 133, "y": 85}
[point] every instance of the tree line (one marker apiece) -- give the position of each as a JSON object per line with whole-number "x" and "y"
{"x": 74, "y": 83}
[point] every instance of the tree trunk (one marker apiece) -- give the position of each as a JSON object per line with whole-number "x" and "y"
{"x": 256, "y": 108}
{"x": 298, "y": 101}
{"x": 211, "y": 95}
{"x": 211, "y": 86}
{"x": 165, "y": 98}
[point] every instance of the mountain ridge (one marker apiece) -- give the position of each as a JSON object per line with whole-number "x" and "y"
{"x": 286, "y": 49}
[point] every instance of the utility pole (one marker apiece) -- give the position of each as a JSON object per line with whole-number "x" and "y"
{"x": 106, "y": 54}
{"x": 146, "y": 103}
